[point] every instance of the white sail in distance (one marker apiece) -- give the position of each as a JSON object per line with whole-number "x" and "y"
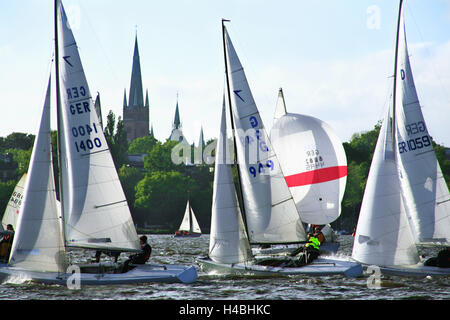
{"x": 271, "y": 215}
{"x": 189, "y": 222}
{"x": 95, "y": 209}
{"x": 228, "y": 242}
{"x": 11, "y": 214}
{"x": 38, "y": 241}
{"x": 425, "y": 191}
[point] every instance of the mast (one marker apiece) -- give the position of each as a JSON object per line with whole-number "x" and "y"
{"x": 244, "y": 217}
{"x": 394, "y": 91}
{"x": 59, "y": 124}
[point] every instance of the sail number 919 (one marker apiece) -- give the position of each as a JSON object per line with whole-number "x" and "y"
{"x": 261, "y": 168}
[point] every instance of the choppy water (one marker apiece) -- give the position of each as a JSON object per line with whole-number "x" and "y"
{"x": 167, "y": 249}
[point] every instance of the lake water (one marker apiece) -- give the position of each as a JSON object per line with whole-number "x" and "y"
{"x": 167, "y": 249}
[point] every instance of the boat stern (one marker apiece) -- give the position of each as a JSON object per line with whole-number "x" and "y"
{"x": 189, "y": 275}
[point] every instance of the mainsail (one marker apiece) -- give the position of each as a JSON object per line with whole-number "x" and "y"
{"x": 228, "y": 241}
{"x": 425, "y": 191}
{"x": 271, "y": 215}
{"x": 38, "y": 241}
{"x": 95, "y": 209}
{"x": 313, "y": 162}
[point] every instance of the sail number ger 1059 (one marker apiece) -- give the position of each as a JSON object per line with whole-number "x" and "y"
{"x": 415, "y": 143}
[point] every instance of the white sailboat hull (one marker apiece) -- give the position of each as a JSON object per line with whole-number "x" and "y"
{"x": 146, "y": 273}
{"x": 413, "y": 270}
{"x": 319, "y": 267}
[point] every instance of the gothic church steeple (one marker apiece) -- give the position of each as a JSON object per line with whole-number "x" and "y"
{"x": 135, "y": 113}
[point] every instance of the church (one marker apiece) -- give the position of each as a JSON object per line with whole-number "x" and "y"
{"x": 136, "y": 114}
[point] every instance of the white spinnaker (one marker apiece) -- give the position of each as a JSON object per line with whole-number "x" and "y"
{"x": 38, "y": 240}
{"x": 12, "y": 209}
{"x": 95, "y": 209}
{"x": 425, "y": 191}
{"x": 383, "y": 236}
{"x": 270, "y": 211}
{"x": 314, "y": 164}
{"x": 228, "y": 242}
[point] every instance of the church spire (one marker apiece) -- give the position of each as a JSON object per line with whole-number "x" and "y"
{"x": 201, "y": 140}
{"x": 136, "y": 97}
{"x": 146, "y": 99}
{"x": 176, "y": 120}
{"x": 125, "y": 98}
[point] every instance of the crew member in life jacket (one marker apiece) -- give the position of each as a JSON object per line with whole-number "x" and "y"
{"x": 6, "y": 243}
{"x": 310, "y": 251}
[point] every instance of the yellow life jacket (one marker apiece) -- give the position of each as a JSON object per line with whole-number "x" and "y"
{"x": 313, "y": 241}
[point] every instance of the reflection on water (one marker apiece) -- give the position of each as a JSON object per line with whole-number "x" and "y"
{"x": 167, "y": 249}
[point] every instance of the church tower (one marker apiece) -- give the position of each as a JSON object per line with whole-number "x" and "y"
{"x": 177, "y": 134}
{"x": 136, "y": 113}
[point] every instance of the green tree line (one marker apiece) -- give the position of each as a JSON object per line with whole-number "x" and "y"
{"x": 157, "y": 191}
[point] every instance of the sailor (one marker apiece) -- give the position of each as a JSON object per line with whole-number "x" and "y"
{"x": 139, "y": 258}
{"x": 442, "y": 260}
{"x": 6, "y": 243}
{"x": 309, "y": 252}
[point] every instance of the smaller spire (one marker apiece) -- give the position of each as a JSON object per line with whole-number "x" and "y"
{"x": 201, "y": 141}
{"x": 124, "y": 98}
{"x": 176, "y": 120}
{"x": 151, "y": 131}
{"x": 146, "y": 99}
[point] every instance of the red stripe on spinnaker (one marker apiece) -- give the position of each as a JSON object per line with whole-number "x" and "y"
{"x": 316, "y": 176}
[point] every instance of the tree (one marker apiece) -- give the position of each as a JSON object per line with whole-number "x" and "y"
{"x": 161, "y": 198}
{"x": 129, "y": 178}
{"x": 142, "y": 145}
{"x": 160, "y": 158}
{"x": 116, "y": 139}
{"x": 17, "y": 140}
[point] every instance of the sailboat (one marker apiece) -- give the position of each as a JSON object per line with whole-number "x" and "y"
{"x": 189, "y": 226}
{"x": 94, "y": 213}
{"x": 268, "y": 214}
{"x": 406, "y": 202}
{"x": 314, "y": 164}
{"x": 11, "y": 213}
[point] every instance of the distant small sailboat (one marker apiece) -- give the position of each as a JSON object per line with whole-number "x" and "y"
{"x": 406, "y": 202}
{"x": 269, "y": 214}
{"x": 94, "y": 213}
{"x": 189, "y": 226}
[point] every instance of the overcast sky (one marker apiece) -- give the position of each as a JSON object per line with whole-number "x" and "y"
{"x": 333, "y": 59}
